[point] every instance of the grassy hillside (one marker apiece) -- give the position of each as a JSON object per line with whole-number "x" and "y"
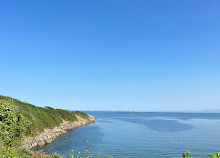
{"x": 40, "y": 118}
{"x": 19, "y": 119}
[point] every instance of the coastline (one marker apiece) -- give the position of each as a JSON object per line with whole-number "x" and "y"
{"x": 49, "y": 135}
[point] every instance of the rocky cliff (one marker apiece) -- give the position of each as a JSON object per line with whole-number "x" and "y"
{"x": 49, "y": 135}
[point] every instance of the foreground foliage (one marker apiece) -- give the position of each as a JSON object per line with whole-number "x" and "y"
{"x": 215, "y": 156}
{"x": 212, "y": 156}
{"x": 19, "y": 119}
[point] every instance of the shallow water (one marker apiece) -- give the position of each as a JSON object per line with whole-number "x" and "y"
{"x": 144, "y": 135}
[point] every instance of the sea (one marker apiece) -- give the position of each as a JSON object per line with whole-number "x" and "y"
{"x": 142, "y": 135}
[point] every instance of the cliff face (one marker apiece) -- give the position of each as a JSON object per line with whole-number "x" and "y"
{"x": 49, "y": 135}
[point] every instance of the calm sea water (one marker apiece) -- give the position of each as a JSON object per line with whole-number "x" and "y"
{"x": 144, "y": 135}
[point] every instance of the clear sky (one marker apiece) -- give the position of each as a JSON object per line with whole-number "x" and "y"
{"x": 147, "y": 55}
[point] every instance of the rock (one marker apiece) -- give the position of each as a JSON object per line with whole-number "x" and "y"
{"x": 50, "y": 135}
{"x": 49, "y": 141}
{"x": 41, "y": 143}
{"x": 66, "y": 138}
{"x": 48, "y": 146}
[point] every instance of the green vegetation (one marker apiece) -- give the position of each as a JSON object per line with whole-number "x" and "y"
{"x": 212, "y": 156}
{"x": 81, "y": 114}
{"x": 215, "y": 156}
{"x": 186, "y": 155}
{"x": 40, "y": 118}
{"x": 19, "y": 119}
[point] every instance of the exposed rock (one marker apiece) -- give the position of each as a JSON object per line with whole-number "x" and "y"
{"x": 66, "y": 138}
{"x": 49, "y": 135}
{"x": 48, "y": 146}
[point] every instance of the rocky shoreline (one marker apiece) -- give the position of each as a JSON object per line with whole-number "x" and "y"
{"x": 49, "y": 135}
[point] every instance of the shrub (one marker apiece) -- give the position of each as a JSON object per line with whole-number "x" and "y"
{"x": 186, "y": 155}
{"x": 41, "y": 118}
{"x": 212, "y": 156}
{"x": 215, "y": 156}
{"x": 12, "y": 124}
{"x": 18, "y": 119}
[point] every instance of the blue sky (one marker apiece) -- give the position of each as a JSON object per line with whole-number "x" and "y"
{"x": 147, "y": 55}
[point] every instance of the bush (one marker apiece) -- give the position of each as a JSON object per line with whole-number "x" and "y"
{"x": 41, "y": 118}
{"x": 212, "y": 156}
{"x": 12, "y": 127}
{"x": 12, "y": 124}
{"x": 19, "y": 119}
